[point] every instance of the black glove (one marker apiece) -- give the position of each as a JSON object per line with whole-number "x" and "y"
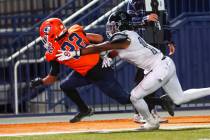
{"x": 36, "y": 82}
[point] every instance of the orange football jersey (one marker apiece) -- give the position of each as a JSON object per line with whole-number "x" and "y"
{"x": 74, "y": 40}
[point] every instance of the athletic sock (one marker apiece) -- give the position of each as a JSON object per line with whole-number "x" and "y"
{"x": 75, "y": 97}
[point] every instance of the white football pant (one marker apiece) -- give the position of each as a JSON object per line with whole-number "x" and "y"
{"x": 163, "y": 75}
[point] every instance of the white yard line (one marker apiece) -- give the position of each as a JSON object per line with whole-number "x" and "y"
{"x": 65, "y": 118}
{"x": 105, "y": 130}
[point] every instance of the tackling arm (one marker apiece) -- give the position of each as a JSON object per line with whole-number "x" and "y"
{"x": 97, "y": 48}
{"x": 94, "y": 38}
{"x": 117, "y": 41}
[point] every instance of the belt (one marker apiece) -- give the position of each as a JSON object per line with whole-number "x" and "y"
{"x": 164, "y": 57}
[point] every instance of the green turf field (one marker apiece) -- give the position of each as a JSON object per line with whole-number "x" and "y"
{"x": 193, "y": 134}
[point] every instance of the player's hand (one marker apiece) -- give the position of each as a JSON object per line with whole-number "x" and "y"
{"x": 36, "y": 82}
{"x": 152, "y": 17}
{"x": 171, "y": 47}
{"x": 65, "y": 55}
{"x": 106, "y": 61}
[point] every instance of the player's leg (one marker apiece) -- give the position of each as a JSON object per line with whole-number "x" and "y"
{"x": 164, "y": 101}
{"x": 148, "y": 85}
{"x": 150, "y": 99}
{"x": 104, "y": 79}
{"x": 167, "y": 104}
{"x": 69, "y": 85}
{"x": 159, "y": 76}
{"x": 174, "y": 90}
{"x": 138, "y": 78}
{"x": 137, "y": 95}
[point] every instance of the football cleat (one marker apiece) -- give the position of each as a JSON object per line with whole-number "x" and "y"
{"x": 167, "y": 104}
{"x": 151, "y": 124}
{"x": 137, "y": 118}
{"x": 157, "y": 117}
{"x": 79, "y": 116}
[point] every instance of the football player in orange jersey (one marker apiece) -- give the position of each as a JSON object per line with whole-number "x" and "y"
{"x": 86, "y": 69}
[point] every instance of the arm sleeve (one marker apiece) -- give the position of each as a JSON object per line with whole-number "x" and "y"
{"x": 118, "y": 37}
{"x": 54, "y": 69}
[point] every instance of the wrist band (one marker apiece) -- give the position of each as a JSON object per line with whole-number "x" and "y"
{"x": 78, "y": 52}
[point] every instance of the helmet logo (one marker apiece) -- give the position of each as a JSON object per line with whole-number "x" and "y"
{"x": 47, "y": 30}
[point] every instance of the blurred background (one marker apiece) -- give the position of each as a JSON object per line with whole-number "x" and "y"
{"x": 21, "y": 54}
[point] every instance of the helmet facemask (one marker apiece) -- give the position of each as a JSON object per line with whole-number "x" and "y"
{"x": 111, "y": 28}
{"x": 47, "y": 43}
{"x": 45, "y": 38}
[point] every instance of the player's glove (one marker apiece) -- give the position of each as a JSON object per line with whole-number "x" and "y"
{"x": 66, "y": 55}
{"x": 36, "y": 82}
{"x": 106, "y": 61}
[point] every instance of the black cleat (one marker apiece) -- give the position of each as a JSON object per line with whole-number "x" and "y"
{"x": 81, "y": 115}
{"x": 167, "y": 104}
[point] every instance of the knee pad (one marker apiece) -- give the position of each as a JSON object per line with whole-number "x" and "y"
{"x": 138, "y": 93}
{"x": 134, "y": 97}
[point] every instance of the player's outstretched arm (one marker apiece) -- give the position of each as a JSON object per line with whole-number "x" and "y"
{"x": 94, "y": 38}
{"x": 118, "y": 41}
{"x": 105, "y": 46}
{"x": 91, "y": 49}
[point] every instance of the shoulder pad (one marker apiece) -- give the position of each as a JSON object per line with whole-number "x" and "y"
{"x": 118, "y": 37}
{"x": 75, "y": 28}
